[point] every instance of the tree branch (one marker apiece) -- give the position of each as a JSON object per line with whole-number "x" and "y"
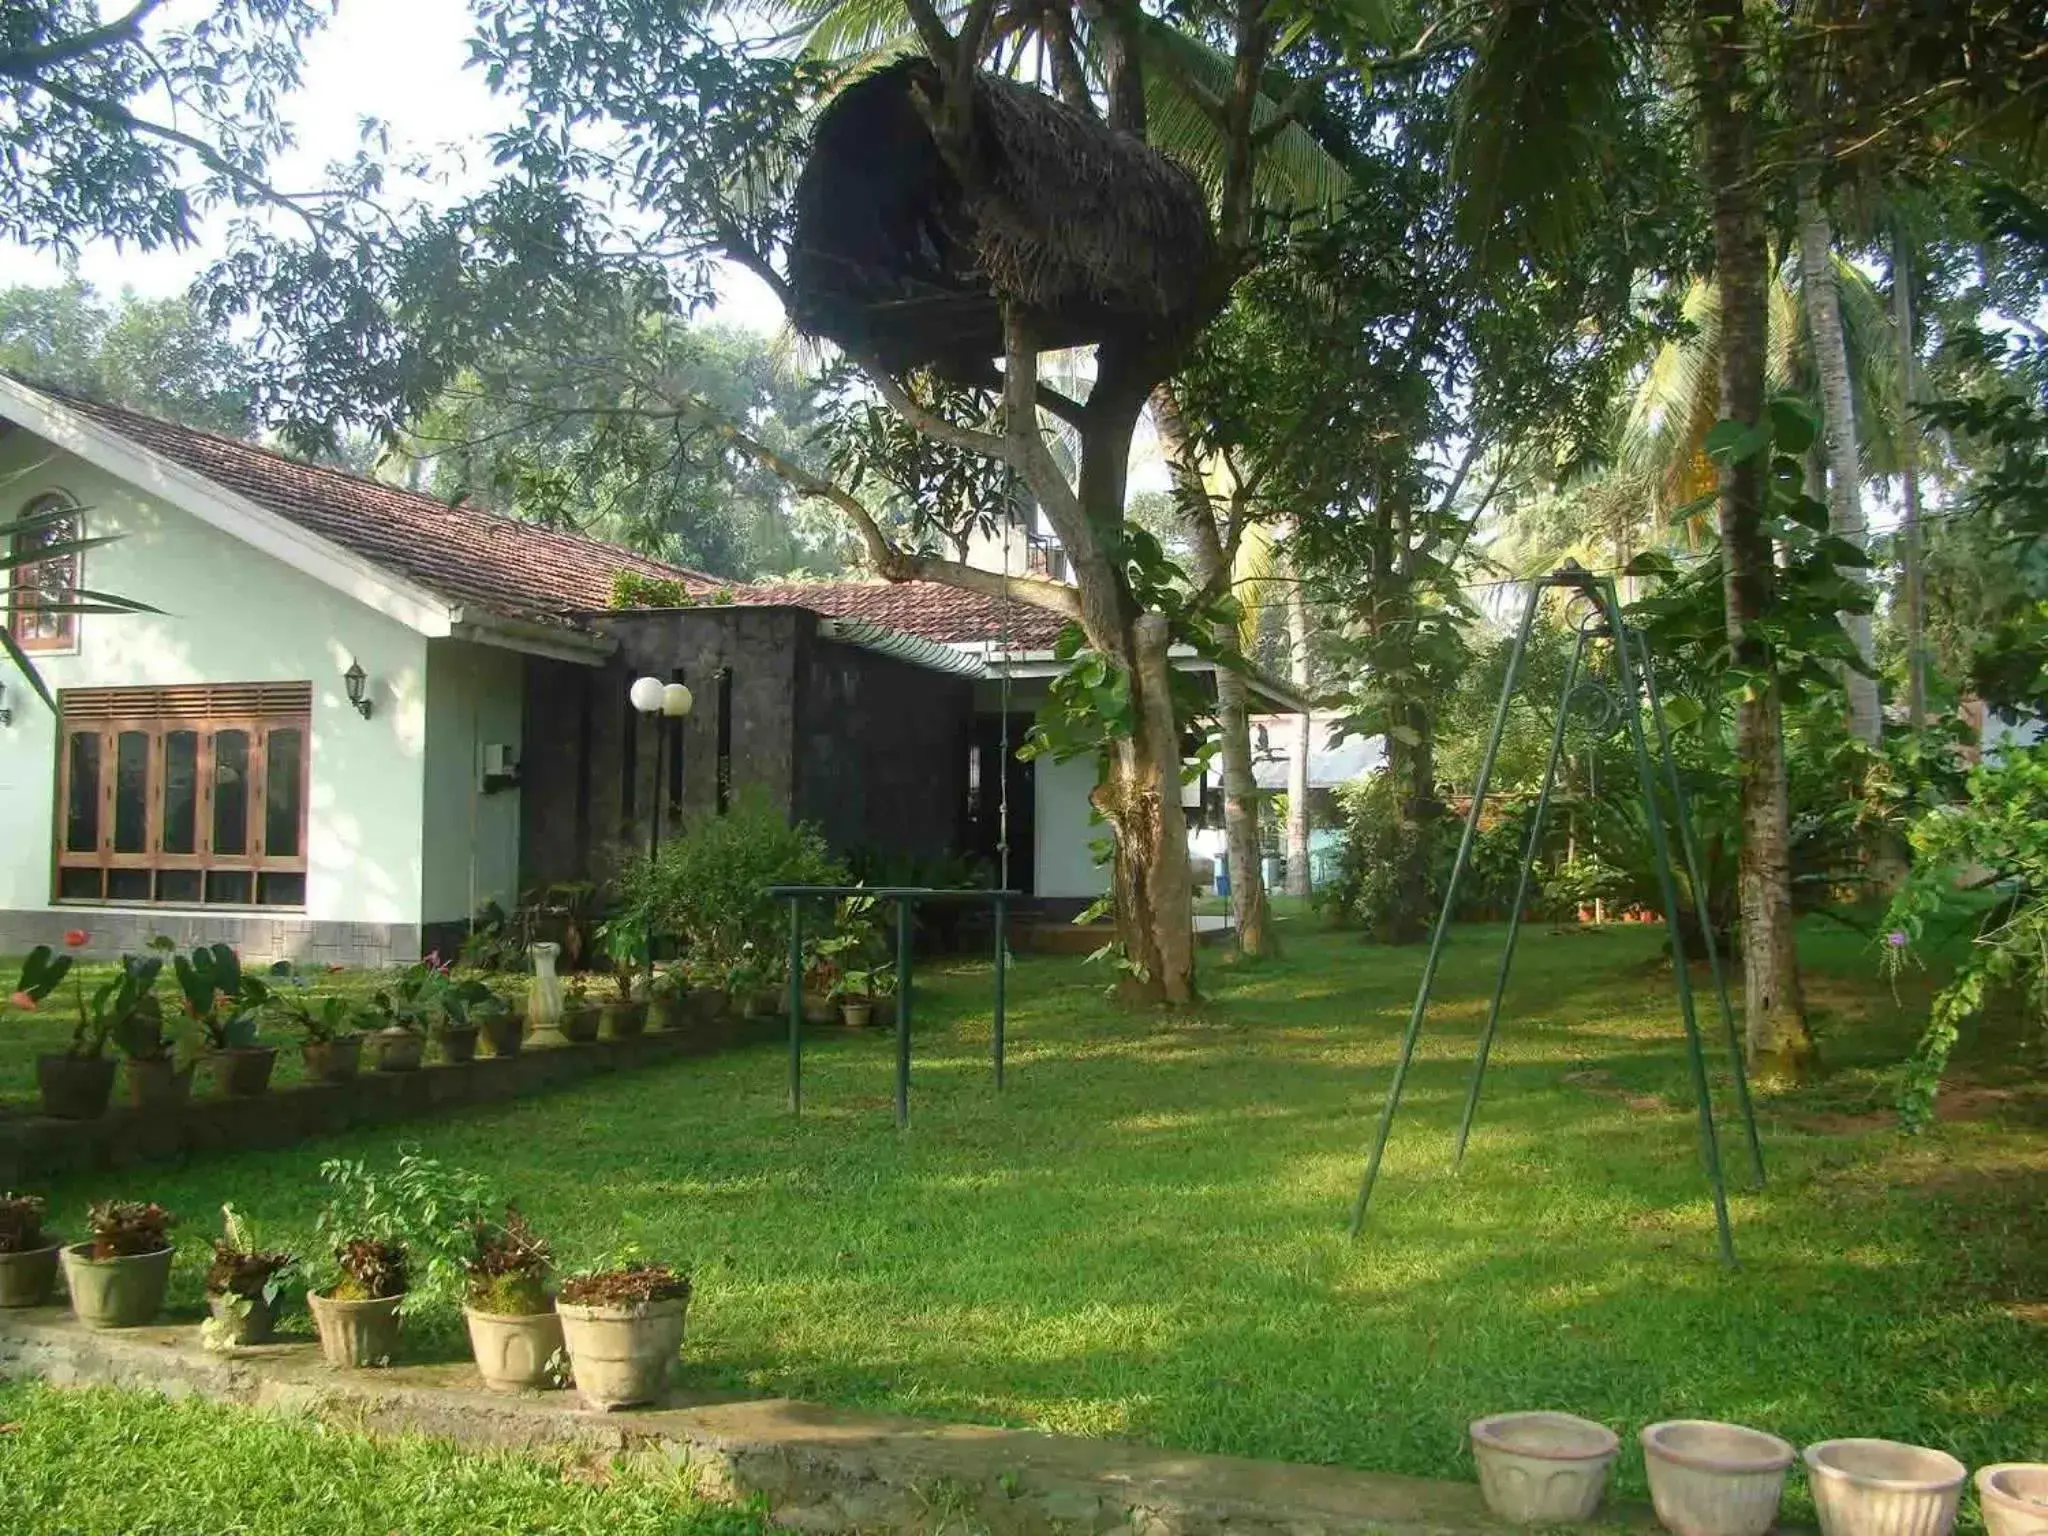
{"x": 890, "y": 560}
{"x": 931, "y": 31}
{"x": 23, "y": 63}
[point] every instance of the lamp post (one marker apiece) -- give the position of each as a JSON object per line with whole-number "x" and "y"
{"x": 660, "y": 702}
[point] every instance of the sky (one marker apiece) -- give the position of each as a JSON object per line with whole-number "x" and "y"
{"x": 400, "y": 61}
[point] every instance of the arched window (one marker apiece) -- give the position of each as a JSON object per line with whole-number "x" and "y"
{"x": 35, "y": 585}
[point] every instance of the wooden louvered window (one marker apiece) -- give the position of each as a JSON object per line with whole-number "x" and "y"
{"x": 184, "y": 796}
{"x": 35, "y": 585}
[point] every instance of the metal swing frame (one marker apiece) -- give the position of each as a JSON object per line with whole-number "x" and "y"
{"x": 1663, "y": 795}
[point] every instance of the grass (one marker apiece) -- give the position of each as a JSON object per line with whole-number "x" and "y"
{"x": 106, "y": 1463}
{"x": 1144, "y": 1236}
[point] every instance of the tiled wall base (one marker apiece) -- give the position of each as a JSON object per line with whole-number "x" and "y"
{"x": 256, "y": 936}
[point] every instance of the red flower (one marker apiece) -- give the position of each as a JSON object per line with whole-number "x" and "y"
{"x": 75, "y": 938}
{"x": 23, "y": 1001}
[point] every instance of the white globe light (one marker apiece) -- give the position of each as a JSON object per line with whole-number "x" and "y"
{"x": 675, "y": 701}
{"x": 646, "y": 694}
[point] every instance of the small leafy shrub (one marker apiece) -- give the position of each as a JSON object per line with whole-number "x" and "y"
{"x": 239, "y": 1267}
{"x": 631, "y": 589}
{"x": 709, "y": 887}
{"x": 630, "y": 1285}
{"x": 371, "y": 1270}
{"x": 1376, "y": 888}
{"x": 219, "y": 998}
{"x": 21, "y": 1222}
{"x": 509, "y": 1266}
{"x": 122, "y": 1229}
{"x": 408, "y": 1225}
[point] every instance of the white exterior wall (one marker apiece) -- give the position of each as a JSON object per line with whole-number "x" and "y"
{"x": 1064, "y": 828}
{"x": 475, "y": 695}
{"x": 230, "y": 615}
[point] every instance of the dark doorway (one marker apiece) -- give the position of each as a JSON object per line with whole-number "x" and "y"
{"x": 984, "y": 799}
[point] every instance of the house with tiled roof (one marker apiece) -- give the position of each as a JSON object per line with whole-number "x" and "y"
{"x": 356, "y": 714}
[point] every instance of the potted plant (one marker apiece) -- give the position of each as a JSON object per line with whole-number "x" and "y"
{"x": 243, "y": 1284}
{"x": 159, "y": 1067}
{"x": 405, "y": 1011}
{"x": 623, "y": 1328}
{"x": 77, "y": 1082}
{"x": 471, "y": 1004}
{"x": 865, "y": 989}
{"x": 333, "y": 1048}
{"x": 705, "y": 998}
{"x": 579, "y": 1014}
{"x": 668, "y": 991}
{"x": 357, "y": 1315}
{"x": 117, "y": 1278}
{"x": 226, "y": 1005}
{"x": 514, "y": 1331}
{"x": 28, "y": 1254}
{"x": 627, "y": 945}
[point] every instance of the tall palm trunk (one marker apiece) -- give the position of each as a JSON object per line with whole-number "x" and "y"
{"x": 1780, "y": 1046}
{"x": 1909, "y": 481}
{"x": 1838, "y": 416}
{"x": 1299, "y": 875}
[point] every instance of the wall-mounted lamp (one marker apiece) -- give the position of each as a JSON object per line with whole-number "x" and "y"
{"x": 355, "y": 679}
{"x": 6, "y": 714}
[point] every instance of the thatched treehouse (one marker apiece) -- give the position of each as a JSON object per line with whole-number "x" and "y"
{"x": 1100, "y": 236}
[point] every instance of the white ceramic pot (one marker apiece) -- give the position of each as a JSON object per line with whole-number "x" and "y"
{"x": 2014, "y": 1498}
{"x": 1714, "y": 1479}
{"x": 1883, "y": 1488}
{"x": 621, "y": 1355}
{"x": 1542, "y": 1468}
{"x": 513, "y": 1351}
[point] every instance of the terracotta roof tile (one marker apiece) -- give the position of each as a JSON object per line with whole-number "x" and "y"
{"x": 462, "y": 553}
{"x": 928, "y": 609}
{"x": 520, "y": 570}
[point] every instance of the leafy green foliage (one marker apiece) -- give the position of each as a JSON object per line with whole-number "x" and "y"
{"x": 41, "y": 974}
{"x": 1997, "y": 836}
{"x": 404, "y": 1229}
{"x": 240, "y": 1267}
{"x": 631, "y": 589}
{"x": 508, "y": 1267}
{"x": 1382, "y": 848}
{"x": 708, "y": 889}
{"x": 223, "y": 1000}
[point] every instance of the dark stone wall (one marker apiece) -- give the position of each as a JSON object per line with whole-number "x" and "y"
{"x": 870, "y": 748}
{"x": 881, "y": 759}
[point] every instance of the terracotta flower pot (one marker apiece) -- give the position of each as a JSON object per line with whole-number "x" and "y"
{"x": 1543, "y": 1468}
{"x": 333, "y": 1061}
{"x": 458, "y": 1045}
{"x": 504, "y": 1034}
{"x": 856, "y": 1015}
{"x": 707, "y": 1005}
{"x": 28, "y": 1278}
{"x": 355, "y": 1335}
{"x": 622, "y": 1021}
{"x": 242, "y": 1074}
{"x": 621, "y": 1355}
{"x": 513, "y": 1351}
{"x": 667, "y": 1013}
{"x": 1713, "y": 1479}
{"x": 75, "y": 1087}
{"x": 252, "y": 1322}
{"x": 579, "y": 1024}
{"x": 158, "y": 1083}
{"x": 2013, "y": 1497}
{"x": 399, "y": 1050}
{"x": 116, "y": 1293}
{"x": 1883, "y": 1488}
{"x": 819, "y": 1009}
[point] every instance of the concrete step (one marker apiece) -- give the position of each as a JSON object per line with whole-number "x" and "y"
{"x": 818, "y": 1469}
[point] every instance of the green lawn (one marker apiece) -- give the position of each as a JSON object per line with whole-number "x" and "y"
{"x": 105, "y": 1463}
{"x": 1145, "y": 1235}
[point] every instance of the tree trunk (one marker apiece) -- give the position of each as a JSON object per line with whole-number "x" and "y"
{"x": 1140, "y": 798}
{"x": 1249, "y": 909}
{"x": 1299, "y": 881}
{"x": 1838, "y": 419}
{"x": 1780, "y": 1046}
{"x": 1909, "y": 481}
